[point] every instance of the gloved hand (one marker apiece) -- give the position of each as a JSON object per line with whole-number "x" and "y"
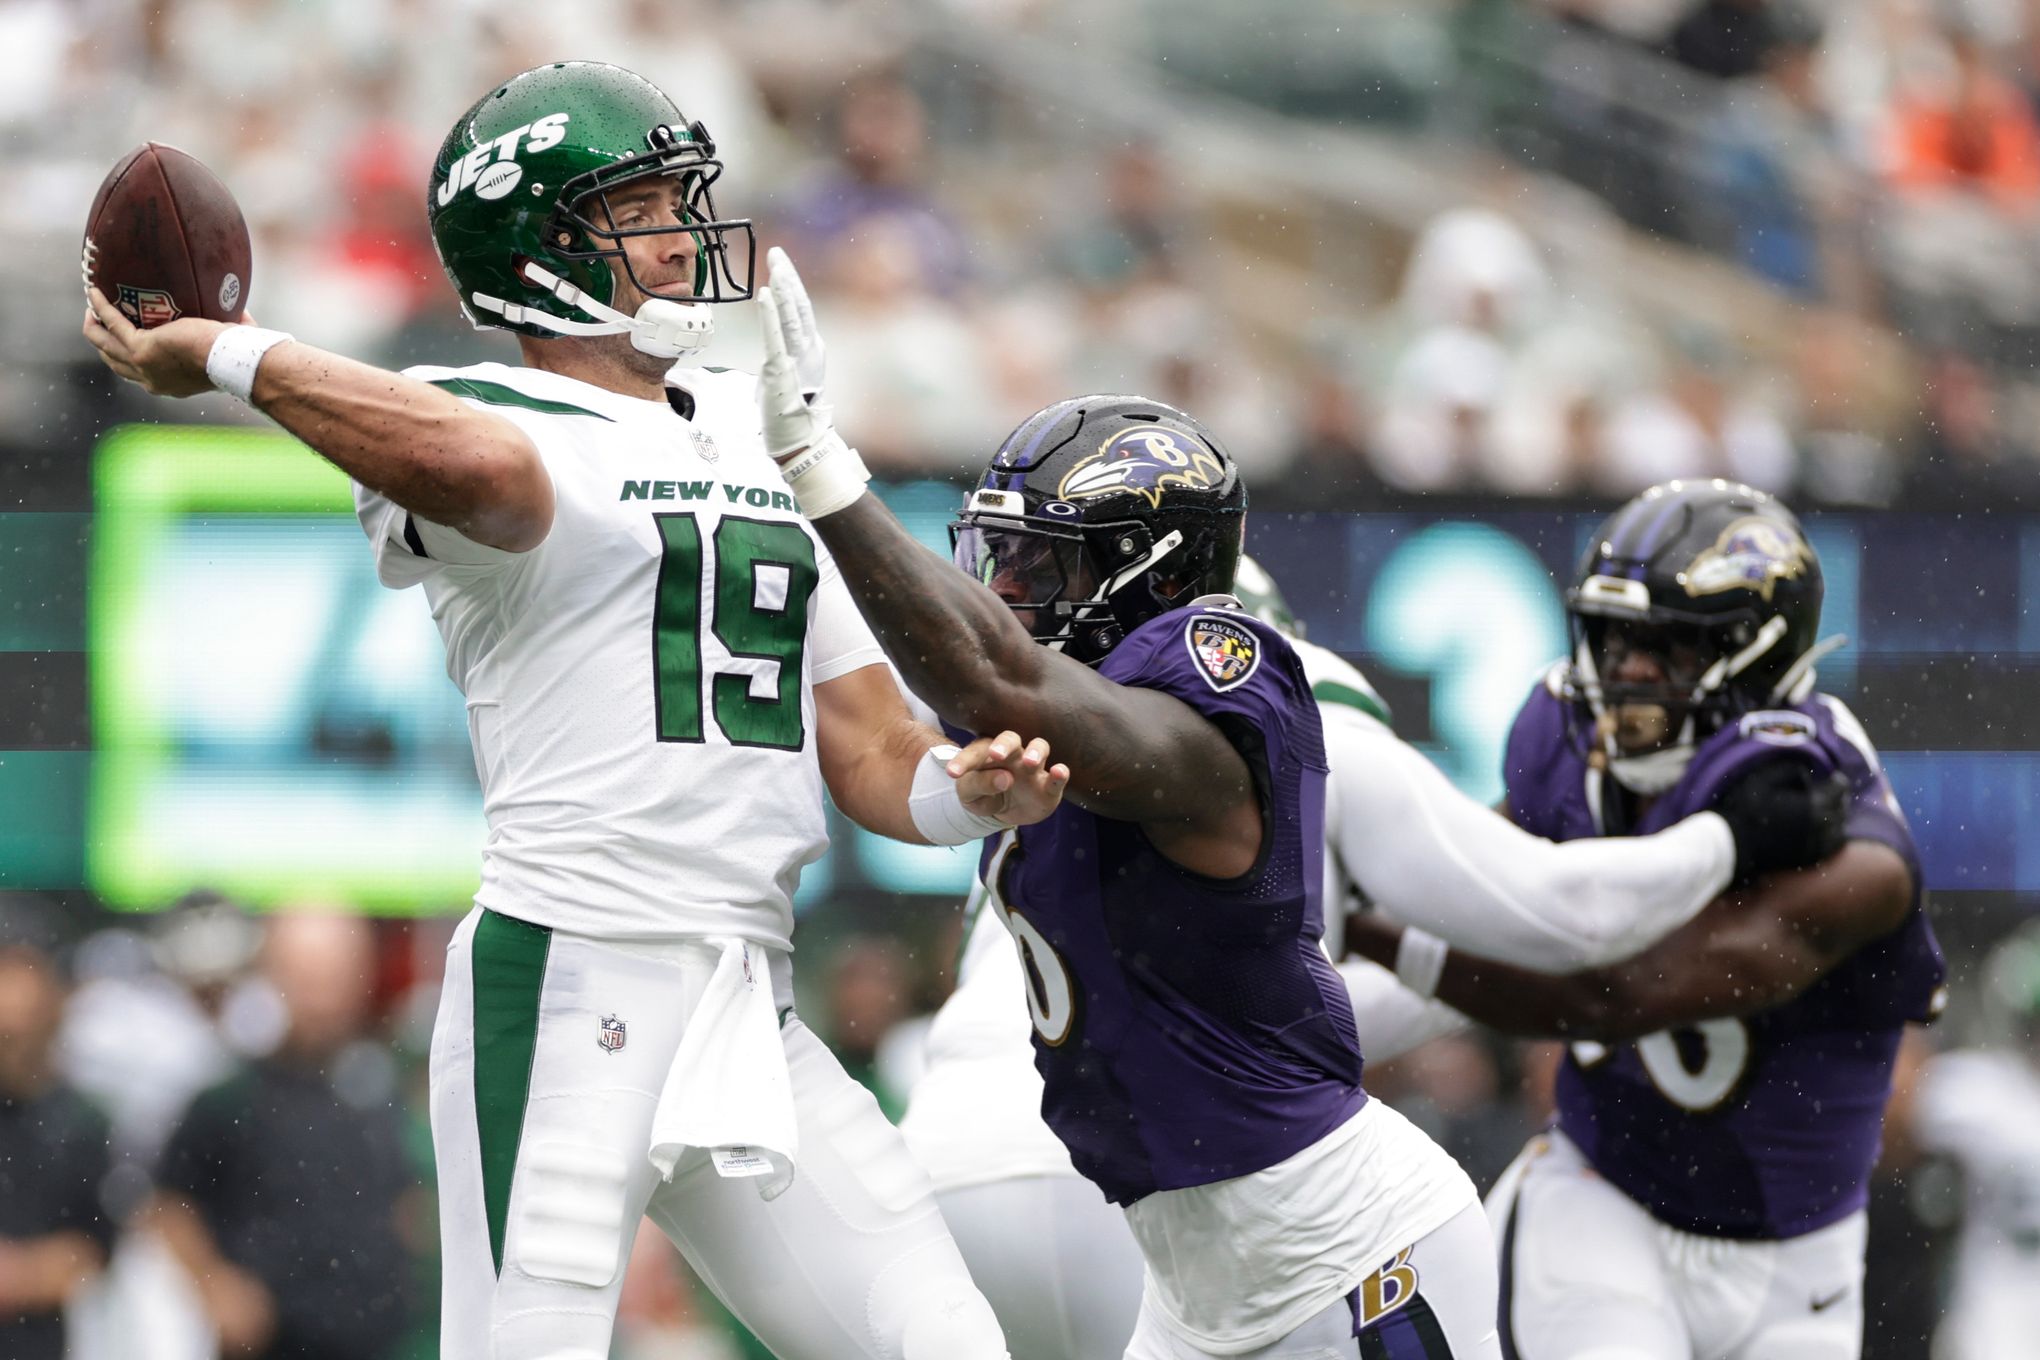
{"x": 1784, "y": 816}
{"x": 797, "y": 325}
{"x": 824, "y": 473}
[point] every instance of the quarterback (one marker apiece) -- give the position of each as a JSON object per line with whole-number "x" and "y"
{"x": 663, "y": 674}
{"x": 1057, "y": 1263}
{"x": 1702, "y": 1197}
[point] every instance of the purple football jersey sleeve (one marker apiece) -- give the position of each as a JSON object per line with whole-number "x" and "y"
{"x": 1188, "y": 1029}
{"x": 1756, "y": 1127}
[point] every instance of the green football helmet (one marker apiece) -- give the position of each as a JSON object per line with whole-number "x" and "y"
{"x": 519, "y": 209}
{"x": 1256, "y": 590}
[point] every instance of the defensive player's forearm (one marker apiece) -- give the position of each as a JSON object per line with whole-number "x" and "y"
{"x": 1431, "y": 857}
{"x": 956, "y": 645}
{"x": 1527, "y": 1005}
{"x": 424, "y": 449}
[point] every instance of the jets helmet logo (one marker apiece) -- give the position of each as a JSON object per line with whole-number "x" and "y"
{"x": 491, "y": 169}
{"x": 1752, "y": 554}
{"x": 1143, "y": 460}
{"x": 1226, "y": 653}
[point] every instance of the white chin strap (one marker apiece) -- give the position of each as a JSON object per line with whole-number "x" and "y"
{"x": 1079, "y": 613}
{"x": 662, "y": 327}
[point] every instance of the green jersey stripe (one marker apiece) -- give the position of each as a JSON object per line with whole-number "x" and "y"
{"x": 509, "y": 971}
{"x": 1332, "y": 692}
{"x": 496, "y": 394}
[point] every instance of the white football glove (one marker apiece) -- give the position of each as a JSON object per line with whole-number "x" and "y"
{"x": 797, "y": 324}
{"x": 823, "y": 472}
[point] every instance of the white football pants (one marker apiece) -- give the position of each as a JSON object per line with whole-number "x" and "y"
{"x": 1057, "y": 1261}
{"x": 1588, "y": 1274}
{"x": 548, "y": 1058}
{"x": 1435, "y": 1300}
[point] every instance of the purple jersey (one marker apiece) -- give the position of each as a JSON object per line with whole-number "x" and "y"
{"x": 1763, "y": 1127}
{"x": 1188, "y": 1029}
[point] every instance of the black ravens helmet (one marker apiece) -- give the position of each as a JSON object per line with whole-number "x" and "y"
{"x": 1696, "y": 602}
{"x": 1099, "y": 513}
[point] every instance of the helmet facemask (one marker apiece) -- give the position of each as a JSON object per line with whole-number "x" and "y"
{"x": 1078, "y": 588}
{"x": 1645, "y": 731}
{"x": 587, "y": 218}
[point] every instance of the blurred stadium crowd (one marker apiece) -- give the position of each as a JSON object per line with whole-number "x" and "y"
{"x": 1536, "y": 247}
{"x": 1541, "y": 248}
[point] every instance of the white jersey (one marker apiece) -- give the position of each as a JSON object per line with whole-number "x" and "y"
{"x": 640, "y": 686}
{"x": 1981, "y": 1108}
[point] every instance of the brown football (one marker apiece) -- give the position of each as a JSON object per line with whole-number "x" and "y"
{"x": 165, "y": 239}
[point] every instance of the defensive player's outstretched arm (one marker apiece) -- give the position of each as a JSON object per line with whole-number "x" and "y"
{"x": 1433, "y": 858}
{"x": 1748, "y": 951}
{"x": 426, "y": 450}
{"x": 1135, "y": 754}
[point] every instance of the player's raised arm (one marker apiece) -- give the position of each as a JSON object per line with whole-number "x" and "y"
{"x": 1136, "y": 754}
{"x": 1749, "y": 951}
{"x": 426, "y": 450}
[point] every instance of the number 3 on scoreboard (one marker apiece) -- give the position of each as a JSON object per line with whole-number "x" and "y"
{"x": 765, "y": 574}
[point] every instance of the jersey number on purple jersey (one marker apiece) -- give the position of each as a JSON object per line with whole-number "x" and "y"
{"x": 1051, "y": 995}
{"x": 1721, "y": 1046}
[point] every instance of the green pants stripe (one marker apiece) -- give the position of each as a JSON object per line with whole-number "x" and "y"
{"x": 509, "y": 971}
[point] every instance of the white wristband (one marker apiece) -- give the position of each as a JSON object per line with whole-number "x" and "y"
{"x": 825, "y": 476}
{"x": 937, "y": 808}
{"x": 1420, "y": 960}
{"x": 235, "y": 355}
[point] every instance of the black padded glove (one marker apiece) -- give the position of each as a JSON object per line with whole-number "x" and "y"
{"x": 1784, "y": 816}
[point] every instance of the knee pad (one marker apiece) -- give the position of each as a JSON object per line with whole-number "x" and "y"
{"x": 567, "y": 1222}
{"x": 953, "y": 1324}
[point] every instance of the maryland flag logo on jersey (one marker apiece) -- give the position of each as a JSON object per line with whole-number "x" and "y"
{"x": 1226, "y": 652}
{"x": 1143, "y": 461}
{"x": 1754, "y": 553}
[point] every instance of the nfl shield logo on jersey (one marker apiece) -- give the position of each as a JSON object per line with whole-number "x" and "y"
{"x": 1226, "y": 652}
{"x": 611, "y": 1037}
{"x": 704, "y": 445}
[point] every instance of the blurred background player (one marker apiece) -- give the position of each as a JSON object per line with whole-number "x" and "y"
{"x": 281, "y": 1189}
{"x": 1054, "y": 1258}
{"x": 1196, "y": 1046}
{"x": 1979, "y": 1107}
{"x": 1720, "y": 1109}
{"x": 55, "y": 1148}
{"x": 616, "y": 1033}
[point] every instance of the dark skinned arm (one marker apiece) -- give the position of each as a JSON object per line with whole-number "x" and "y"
{"x": 1748, "y": 951}
{"x": 1135, "y": 755}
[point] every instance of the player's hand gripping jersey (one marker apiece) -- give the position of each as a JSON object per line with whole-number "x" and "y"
{"x": 640, "y": 686}
{"x": 1763, "y": 1127}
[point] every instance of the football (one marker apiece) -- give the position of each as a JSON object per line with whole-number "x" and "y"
{"x": 165, "y": 239}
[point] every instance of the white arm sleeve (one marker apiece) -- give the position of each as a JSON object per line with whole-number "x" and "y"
{"x": 1392, "y": 1019}
{"x": 1431, "y": 857}
{"x": 839, "y": 641}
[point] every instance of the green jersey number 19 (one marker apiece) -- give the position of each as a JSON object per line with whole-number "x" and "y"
{"x": 764, "y": 575}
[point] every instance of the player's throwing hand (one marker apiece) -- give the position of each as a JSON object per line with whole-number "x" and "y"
{"x": 167, "y": 360}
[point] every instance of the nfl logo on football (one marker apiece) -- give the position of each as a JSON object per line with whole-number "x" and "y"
{"x": 611, "y": 1037}
{"x": 146, "y": 306}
